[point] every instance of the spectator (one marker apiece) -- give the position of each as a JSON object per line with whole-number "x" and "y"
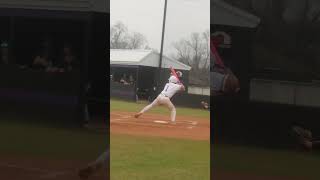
{"x": 4, "y": 53}
{"x": 41, "y": 62}
{"x": 43, "y": 59}
{"x": 69, "y": 61}
{"x": 124, "y": 80}
{"x": 131, "y": 80}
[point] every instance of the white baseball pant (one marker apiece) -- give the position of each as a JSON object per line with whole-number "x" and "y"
{"x": 164, "y": 101}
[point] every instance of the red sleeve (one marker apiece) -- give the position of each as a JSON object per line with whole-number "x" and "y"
{"x": 218, "y": 61}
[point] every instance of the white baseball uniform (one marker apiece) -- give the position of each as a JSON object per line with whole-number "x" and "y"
{"x": 169, "y": 90}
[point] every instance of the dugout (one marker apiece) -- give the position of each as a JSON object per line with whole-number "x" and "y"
{"x": 235, "y": 29}
{"x": 271, "y": 101}
{"x": 133, "y": 73}
{"x": 29, "y": 27}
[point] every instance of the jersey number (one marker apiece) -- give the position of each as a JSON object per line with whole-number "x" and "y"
{"x": 166, "y": 88}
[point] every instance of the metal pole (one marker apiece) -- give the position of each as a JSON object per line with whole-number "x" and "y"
{"x": 162, "y": 39}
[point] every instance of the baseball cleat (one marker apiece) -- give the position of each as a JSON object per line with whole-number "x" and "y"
{"x": 85, "y": 172}
{"x": 137, "y": 115}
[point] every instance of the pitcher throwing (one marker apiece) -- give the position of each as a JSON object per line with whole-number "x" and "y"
{"x": 170, "y": 89}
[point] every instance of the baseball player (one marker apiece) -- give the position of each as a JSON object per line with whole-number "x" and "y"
{"x": 305, "y": 139}
{"x": 223, "y": 80}
{"x": 101, "y": 162}
{"x": 205, "y": 105}
{"x": 169, "y": 90}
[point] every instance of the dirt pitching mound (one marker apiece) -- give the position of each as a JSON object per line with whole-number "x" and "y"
{"x": 160, "y": 126}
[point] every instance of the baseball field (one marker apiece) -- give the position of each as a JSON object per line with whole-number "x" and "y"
{"x": 148, "y": 150}
{"x": 37, "y": 152}
{"x": 248, "y": 163}
{"x": 143, "y": 149}
{"x": 151, "y": 148}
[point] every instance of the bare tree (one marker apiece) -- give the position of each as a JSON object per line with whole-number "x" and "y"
{"x": 206, "y": 49}
{"x": 121, "y": 38}
{"x": 183, "y": 52}
{"x": 137, "y": 41}
{"x": 195, "y": 52}
{"x": 195, "y": 44}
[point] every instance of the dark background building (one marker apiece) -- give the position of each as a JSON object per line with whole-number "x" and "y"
{"x": 278, "y": 87}
{"x": 52, "y": 33}
{"x": 133, "y": 73}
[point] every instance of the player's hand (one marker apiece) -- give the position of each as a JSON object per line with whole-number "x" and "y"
{"x": 182, "y": 87}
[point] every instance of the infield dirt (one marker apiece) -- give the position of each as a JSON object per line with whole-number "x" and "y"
{"x": 159, "y": 125}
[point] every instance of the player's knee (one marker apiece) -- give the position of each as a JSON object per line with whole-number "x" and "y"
{"x": 173, "y": 109}
{"x": 152, "y": 105}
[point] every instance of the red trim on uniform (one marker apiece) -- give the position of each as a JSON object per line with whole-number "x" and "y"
{"x": 214, "y": 43}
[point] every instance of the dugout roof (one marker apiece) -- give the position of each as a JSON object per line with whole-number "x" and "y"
{"x": 143, "y": 58}
{"x": 223, "y": 13}
{"x": 101, "y": 6}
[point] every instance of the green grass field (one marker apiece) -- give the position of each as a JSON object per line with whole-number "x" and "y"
{"x": 119, "y": 105}
{"x": 30, "y": 140}
{"x": 156, "y": 158}
{"x": 257, "y": 161}
{"x": 152, "y": 158}
{"x": 144, "y": 158}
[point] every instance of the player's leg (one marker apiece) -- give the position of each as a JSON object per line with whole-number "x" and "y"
{"x": 100, "y": 163}
{"x": 173, "y": 113}
{"x": 148, "y": 107}
{"x": 171, "y": 107}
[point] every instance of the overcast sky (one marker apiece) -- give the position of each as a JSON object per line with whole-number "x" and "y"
{"x": 146, "y": 16}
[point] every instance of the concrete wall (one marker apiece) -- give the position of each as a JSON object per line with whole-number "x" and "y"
{"x": 199, "y": 90}
{"x": 285, "y": 92}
